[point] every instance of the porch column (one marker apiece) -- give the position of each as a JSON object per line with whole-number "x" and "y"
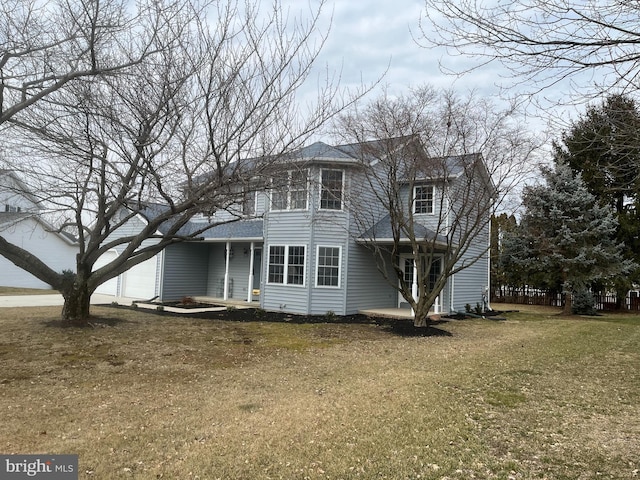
{"x": 436, "y": 305}
{"x": 414, "y": 284}
{"x": 225, "y": 295}
{"x": 250, "y": 286}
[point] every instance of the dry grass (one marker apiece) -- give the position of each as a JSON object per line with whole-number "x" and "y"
{"x": 144, "y": 396}
{"x": 25, "y": 291}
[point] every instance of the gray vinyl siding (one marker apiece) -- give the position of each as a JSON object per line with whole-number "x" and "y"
{"x": 470, "y": 283}
{"x": 130, "y": 228}
{"x": 215, "y": 277}
{"x": 367, "y": 288}
{"x": 287, "y": 228}
{"x": 329, "y": 233}
{"x": 366, "y": 285}
{"x": 185, "y": 270}
{"x": 436, "y": 220}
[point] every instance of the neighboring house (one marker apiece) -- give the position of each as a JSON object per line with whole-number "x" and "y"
{"x": 297, "y": 249}
{"x": 21, "y": 224}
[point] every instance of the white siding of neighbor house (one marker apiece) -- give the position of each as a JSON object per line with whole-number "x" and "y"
{"x": 29, "y": 234}
{"x": 10, "y": 194}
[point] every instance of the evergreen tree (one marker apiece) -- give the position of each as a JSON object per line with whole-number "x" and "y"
{"x": 502, "y": 272}
{"x": 566, "y": 236}
{"x": 604, "y": 148}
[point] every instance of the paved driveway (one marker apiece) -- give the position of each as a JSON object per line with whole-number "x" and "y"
{"x": 55, "y": 299}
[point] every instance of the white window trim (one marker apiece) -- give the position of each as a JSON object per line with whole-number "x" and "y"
{"x": 285, "y": 278}
{"x": 334, "y": 287}
{"x": 433, "y": 200}
{"x": 341, "y": 192}
{"x": 288, "y": 196}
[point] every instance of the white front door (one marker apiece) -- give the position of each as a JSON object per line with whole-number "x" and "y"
{"x": 406, "y": 261}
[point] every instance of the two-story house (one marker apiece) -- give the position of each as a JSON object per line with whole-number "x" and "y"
{"x": 304, "y": 246}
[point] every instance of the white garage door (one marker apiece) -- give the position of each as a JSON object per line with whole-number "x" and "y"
{"x": 110, "y": 287}
{"x": 140, "y": 281}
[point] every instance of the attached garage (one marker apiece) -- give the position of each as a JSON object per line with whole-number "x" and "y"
{"x": 110, "y": 287}
{"x": 140, "y": 281}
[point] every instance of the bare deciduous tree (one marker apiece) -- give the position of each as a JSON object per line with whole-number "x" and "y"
{"x": 166, "y": 137}
{"x": 444, "y": 164}
{"x": 543, "y": 42}
{"x": 46, "y": 44}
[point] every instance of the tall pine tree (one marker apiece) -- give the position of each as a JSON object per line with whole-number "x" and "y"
{"x": 604, "y": 148}
{"x": 569, "y": 237}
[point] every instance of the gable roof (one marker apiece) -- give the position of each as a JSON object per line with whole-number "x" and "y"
{"x": 23, "y": 189}
{"x": 9, "y": 219}
{"x": 247, "y": 230}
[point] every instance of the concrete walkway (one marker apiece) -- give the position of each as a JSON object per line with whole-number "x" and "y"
{"x": 55, "y": 299}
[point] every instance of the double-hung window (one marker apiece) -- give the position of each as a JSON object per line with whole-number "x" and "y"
{"x": 331, "y": 189}
{"x": 249, "y": 204}
{"x": 328, "y": 267}
{"x": 287, "y": 264}
{"x": 423, "y": 199}
{"x": 290, "y": 191}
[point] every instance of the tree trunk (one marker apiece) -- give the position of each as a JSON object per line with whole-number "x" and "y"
{"x": 567, "y": 293}
{"x": 568, "y": 304}
{"x": 421, "y": 315}
{"x": 75, "y": 311}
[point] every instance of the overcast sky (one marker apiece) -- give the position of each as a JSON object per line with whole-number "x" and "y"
{"x": 371, "y": 37}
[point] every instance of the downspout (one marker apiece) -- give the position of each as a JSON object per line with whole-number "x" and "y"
{"x": 311, "y": 250}
{"x": 488, "y": 290}
{"x": 225, "y": 295}
{"x": 160, "y": 285}
{"x": 250, "y": 285}
{"x": 452, "y": 278}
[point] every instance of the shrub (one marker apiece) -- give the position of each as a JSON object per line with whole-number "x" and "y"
{"x": 187, "y": 301}
{"x": 583, "y": 303}
{"x": 330, "y": 316}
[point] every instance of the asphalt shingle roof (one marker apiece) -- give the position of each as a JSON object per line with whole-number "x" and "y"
{"x": 382, "y": 231}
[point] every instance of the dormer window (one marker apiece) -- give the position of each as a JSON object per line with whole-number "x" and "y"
{"x": 423, "y": 199}
{"x": 331, "y": 189}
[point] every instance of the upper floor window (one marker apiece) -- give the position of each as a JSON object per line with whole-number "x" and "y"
{"x": 249, "y": 204}
{"x": 331, "y": 189}
{"x": 423, "y": 199}
{"x": 12, "y": 209}
{"x": 290, "y": 191}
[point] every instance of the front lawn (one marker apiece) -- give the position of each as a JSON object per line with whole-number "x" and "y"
{"x": 150, "y": 396}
